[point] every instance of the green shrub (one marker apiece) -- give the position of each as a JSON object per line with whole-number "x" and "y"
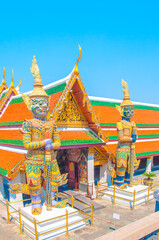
{"x": 149, "y": 175}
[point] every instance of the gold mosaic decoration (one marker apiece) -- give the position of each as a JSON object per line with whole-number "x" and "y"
{"x": 98, "y": 156}
{"x": 70, "y": 114}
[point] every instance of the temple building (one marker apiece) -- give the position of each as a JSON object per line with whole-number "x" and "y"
{"x": 87, "y": 128}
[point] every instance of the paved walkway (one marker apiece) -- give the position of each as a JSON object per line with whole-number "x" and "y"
{"x": 105, "y": 221}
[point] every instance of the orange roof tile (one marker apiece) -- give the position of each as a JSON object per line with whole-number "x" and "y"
{"x": 11, "y": 134}
{"x": 19, "y": 111}
{"x": 54, "y": 99}
{"x": 139, "y": 132}
{"x": 9, "y": 158}
{"x": 141, "y": 116}
{"x": 140, "y": 147}
{"x": 16, "y": 112}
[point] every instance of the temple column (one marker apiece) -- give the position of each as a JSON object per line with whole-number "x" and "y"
{"x": 104, "y": 176}
{"x": 149, "y": 164}
{"x": 90, "y": 177}
{"x": 18, "y": 196}
{"x": 103, "y": 173}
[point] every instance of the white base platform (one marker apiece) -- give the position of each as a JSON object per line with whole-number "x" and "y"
{"x": 49, "y": 225}
{"x": 141, "y": 193}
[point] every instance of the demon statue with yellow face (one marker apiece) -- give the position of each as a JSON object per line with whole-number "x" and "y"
{"x": 125, "y": 158}
{"x": 41, "y": 139}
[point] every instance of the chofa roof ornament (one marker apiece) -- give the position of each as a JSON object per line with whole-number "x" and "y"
{"x": 3, "y": 81}
{"x": 79, "y": 58}
{"x": 12, "y": 84}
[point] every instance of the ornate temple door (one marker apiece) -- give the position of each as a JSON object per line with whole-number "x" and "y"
{"x": 71, "y": 174}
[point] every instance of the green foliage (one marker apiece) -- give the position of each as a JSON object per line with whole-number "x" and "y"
{"x": 149, "y": 175}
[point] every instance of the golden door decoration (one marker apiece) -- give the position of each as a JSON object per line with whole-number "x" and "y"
{"x": 83, "y": 168}
{"x": 98, "y": 156}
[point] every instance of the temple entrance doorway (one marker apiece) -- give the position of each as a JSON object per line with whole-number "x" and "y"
{"x": 74, "y": 162}
{"x": 77, "y": 167}
{"x": 62, "y": 159}
{"x": 73, "y": 175}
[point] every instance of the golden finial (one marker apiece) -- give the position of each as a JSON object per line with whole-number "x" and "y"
{"x": 12, "y": 84}
{"x": 38, "y": 91}
{"x": 79, "y": 58}
{"x": 125, "y": 90}
{"x": 19, "y": 85}
{"x": 126, "y": 100}
{"x": 36, "y": 72}
{"x": 3, "y": 81}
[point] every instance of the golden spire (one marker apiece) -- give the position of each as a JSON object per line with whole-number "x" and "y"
{"x": 38, "y": 91}
{"x": 12, "y": 84}
{"x": 19, "y": 85}
{"x": 79, "y": 58}
{"x": 126, "y": 100}
{"x": 3, "y": 81}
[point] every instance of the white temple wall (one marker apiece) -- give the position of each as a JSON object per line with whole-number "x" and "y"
{"x": 149, "y": 164}
{"x": 104, "y": 176}
{"x": 90, "y": 169}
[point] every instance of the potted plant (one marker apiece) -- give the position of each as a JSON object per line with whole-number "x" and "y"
{"x": 148, "y": 181}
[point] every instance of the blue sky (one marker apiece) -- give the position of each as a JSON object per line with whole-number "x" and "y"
{"x": 119, "y": 39}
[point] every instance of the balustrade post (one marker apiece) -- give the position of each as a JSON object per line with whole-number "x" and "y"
{"x": 91, "y": 214}
{"x": 148, "y": 193}
{"x": 67, "y": 235}
{"x": 134, "y": 200}
{"x": 97, "y": 189}
{"x": 20, "y": 221}
{"x": 114, "y": 195}
{"x": 35, "y": 227}
{"x": 8, "y": 214}
{"x": 141, "y": 181}
{"x": 72, "y": 200}
{"x": 112, "y": 181}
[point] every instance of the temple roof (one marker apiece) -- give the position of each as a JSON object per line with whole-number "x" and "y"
{"x": 87, "y": 134}
{"x": 146, "y": 115}
{"x": 98, "y": 117}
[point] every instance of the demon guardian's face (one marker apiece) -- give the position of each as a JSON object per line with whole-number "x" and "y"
{"x": 40, "y": 107}
{"x": 128, "y": 112}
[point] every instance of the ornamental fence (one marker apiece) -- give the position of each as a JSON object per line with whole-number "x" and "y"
{"x": 88, "y": 218}
{"x": 105, "y": 188}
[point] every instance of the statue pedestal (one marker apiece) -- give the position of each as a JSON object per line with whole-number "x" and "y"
{"x": 127, "y": 196}
{"x": 60, "y": 221}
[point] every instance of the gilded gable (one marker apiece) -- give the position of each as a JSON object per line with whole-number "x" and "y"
{"x": 70, "y": 115}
